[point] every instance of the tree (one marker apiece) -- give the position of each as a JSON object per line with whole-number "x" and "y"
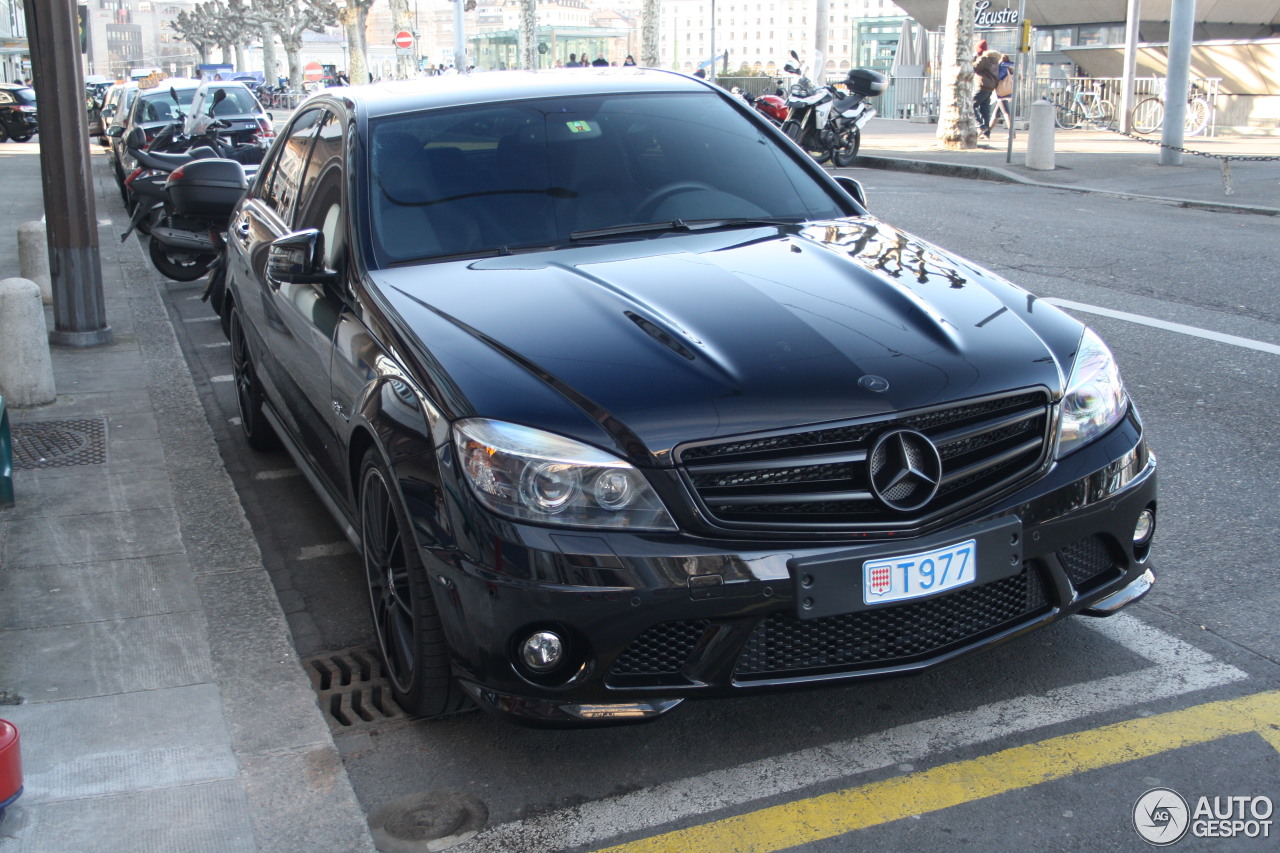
{"x": 957, "y": 126}
{"x": 402, "y": 20}
{"x": 529, "y": 34}
{"x": 290, "y": 19}
{"x": 354, "y": 15}
{"x": 649, "y": 33}
{"x": 194, "y": 26}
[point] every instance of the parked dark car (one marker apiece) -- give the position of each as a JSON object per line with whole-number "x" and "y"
{"x": 18, "y": 113}
{"x": 625, "y": 401}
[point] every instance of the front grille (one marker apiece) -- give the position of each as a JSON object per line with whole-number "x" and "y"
{"x": 783, "y": 646}
{"x": 820, "y": 478}
{"x": 1089, "y": 563}
{"x": 661, "y": 650}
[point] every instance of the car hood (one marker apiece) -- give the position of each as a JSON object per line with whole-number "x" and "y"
{"x": 699, "y": 336}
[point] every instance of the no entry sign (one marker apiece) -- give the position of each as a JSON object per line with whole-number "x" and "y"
{"x": 404, "y": 38}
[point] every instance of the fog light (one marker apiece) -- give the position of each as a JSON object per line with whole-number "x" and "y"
{"x": 1144, "y": 528}
{"x": 542, "y": 652}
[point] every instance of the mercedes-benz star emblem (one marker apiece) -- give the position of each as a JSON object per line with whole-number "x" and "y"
{"x": 906, "y": 469}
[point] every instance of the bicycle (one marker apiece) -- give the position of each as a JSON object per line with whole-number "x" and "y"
{"x": 1073, "y": 107}
{"x": 1148, "y": 115}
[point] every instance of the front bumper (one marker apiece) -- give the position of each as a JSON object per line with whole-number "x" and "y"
{"x": 649, "y": 620}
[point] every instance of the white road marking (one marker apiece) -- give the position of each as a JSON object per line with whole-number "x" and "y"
{"x": 333, "y": 549}
{"x": 1207, "y": 334}
{"x": 212, "y": 319}
{"x": 1177, "y": 668}
{"x": 278, "y": 474}
{"x": 227, "y": 378}
{"x": 219, "y": 344}
{"x": 234, "y": 421}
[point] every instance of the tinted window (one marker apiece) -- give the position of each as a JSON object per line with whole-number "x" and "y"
{"x": 280, "y": 188}
{"x": 529, "y": 174}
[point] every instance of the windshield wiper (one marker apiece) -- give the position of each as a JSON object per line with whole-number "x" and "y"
{"x": 677, "y": 225}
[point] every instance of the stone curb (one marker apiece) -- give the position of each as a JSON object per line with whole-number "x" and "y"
{"x": 992, "y": 173}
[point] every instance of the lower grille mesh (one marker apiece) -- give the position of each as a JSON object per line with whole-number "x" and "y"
{"x": 1089, "y": 562}
{"x": 661, "y": 650}
{"x": 783, "y": 645}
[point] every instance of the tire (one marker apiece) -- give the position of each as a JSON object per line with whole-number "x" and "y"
{"x": 253, "y": 423}
{"x": 1104, "y": 115}
{"x": 403, "y": 608}
{"x": 1147, "y": 116}
{"x": 845, "y": 155}
{"x": 4, "y": 133}
{"x": 1197, "y": 118}
{"x": 21, "y": 137}
{"x": 792, "y": 129}
{"x": 1065, "y": 115}
{"x": 179, "y": 266}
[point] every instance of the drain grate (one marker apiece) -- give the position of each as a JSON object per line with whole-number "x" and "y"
{"x": 59, "y": 444}
{"x": 352, "y": 688}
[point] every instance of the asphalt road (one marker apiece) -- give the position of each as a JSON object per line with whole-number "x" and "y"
{"x": 1206, "y": 633}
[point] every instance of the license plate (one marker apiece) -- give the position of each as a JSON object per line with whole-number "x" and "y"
{"x": 916, "y": 575}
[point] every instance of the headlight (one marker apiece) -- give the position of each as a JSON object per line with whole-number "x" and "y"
{"x": 1095, "y": 398}
{"x": 533, "y": 475}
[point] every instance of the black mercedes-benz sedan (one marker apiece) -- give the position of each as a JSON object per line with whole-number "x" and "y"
{"x": 623, "y": 400}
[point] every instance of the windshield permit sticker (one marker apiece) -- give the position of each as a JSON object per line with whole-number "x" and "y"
{"x": 578, "y": 126}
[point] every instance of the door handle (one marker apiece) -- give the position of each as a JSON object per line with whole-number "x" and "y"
{"x": 242, "y": 228}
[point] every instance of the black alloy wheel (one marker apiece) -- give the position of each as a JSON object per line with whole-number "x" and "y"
{"x": 178, "y": 264}
{"x": 403, "y": 607}
{"x": 257, "y": 431}
{"x": 846, "y": 151}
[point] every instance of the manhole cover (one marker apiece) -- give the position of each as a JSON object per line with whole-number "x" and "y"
{"x": 59, "y": 444}
{"x": 352, "y": 688}
{"x": 427, "y": 822}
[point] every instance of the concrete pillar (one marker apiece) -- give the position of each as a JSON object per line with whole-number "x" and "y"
{"x": 33, "y": 257}
{"x": 26, "y": 369}
{"x": 1040, "y": 137}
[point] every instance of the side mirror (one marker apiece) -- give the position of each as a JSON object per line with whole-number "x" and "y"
{"x": 854, "y": 189}
{"x": 115, "y": 131}
{"x": 298, "y": 258}
{"x": 790, "y": 69}
{"x": 136, "y": 138}
{"x": 795, "y": 56}
{"x": 173, "y": 93}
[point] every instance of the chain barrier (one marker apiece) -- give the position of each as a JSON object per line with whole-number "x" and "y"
{"x": 1224, "y": 159}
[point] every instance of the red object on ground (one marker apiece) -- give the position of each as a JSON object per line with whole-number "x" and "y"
{"x": 10, "y": 765}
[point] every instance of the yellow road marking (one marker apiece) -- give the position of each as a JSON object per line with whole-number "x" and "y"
{"x": 829, "y": 815}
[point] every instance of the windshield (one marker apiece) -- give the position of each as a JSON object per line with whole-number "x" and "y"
{"x": 504, "y": 177}
{"x": 161, "y": 107}
{"x": 237, "y": 102}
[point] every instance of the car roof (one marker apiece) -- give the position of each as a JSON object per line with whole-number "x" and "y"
{"x": 392, "y": 97}
{"x": 180, "y": 83}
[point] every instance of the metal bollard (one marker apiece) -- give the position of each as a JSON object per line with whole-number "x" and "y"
{"x": 26, "y": 368}
{"x": 1040, "y": 137}
{"x": 33, "y": 257}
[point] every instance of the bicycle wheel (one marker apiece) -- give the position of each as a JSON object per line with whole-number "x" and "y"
{"x": 1197, "y": 118}
{"x": 1103, "y": 115}
{"x": 1147, "y": 116}
{"x": 1065, "y": 115}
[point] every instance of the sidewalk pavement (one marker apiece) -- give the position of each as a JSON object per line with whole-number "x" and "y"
{"x": 160, "y": 700}
{"x": 1096, "y": 161}
{"x": 161, "y": 704}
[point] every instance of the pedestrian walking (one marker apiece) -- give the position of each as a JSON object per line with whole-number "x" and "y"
{"x": 987, "y": 72}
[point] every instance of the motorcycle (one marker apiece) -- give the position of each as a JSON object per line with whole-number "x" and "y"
{"x": 772, "y": 107}
{"x": 825, "y": 121}
{"x": 184, "y": 200}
